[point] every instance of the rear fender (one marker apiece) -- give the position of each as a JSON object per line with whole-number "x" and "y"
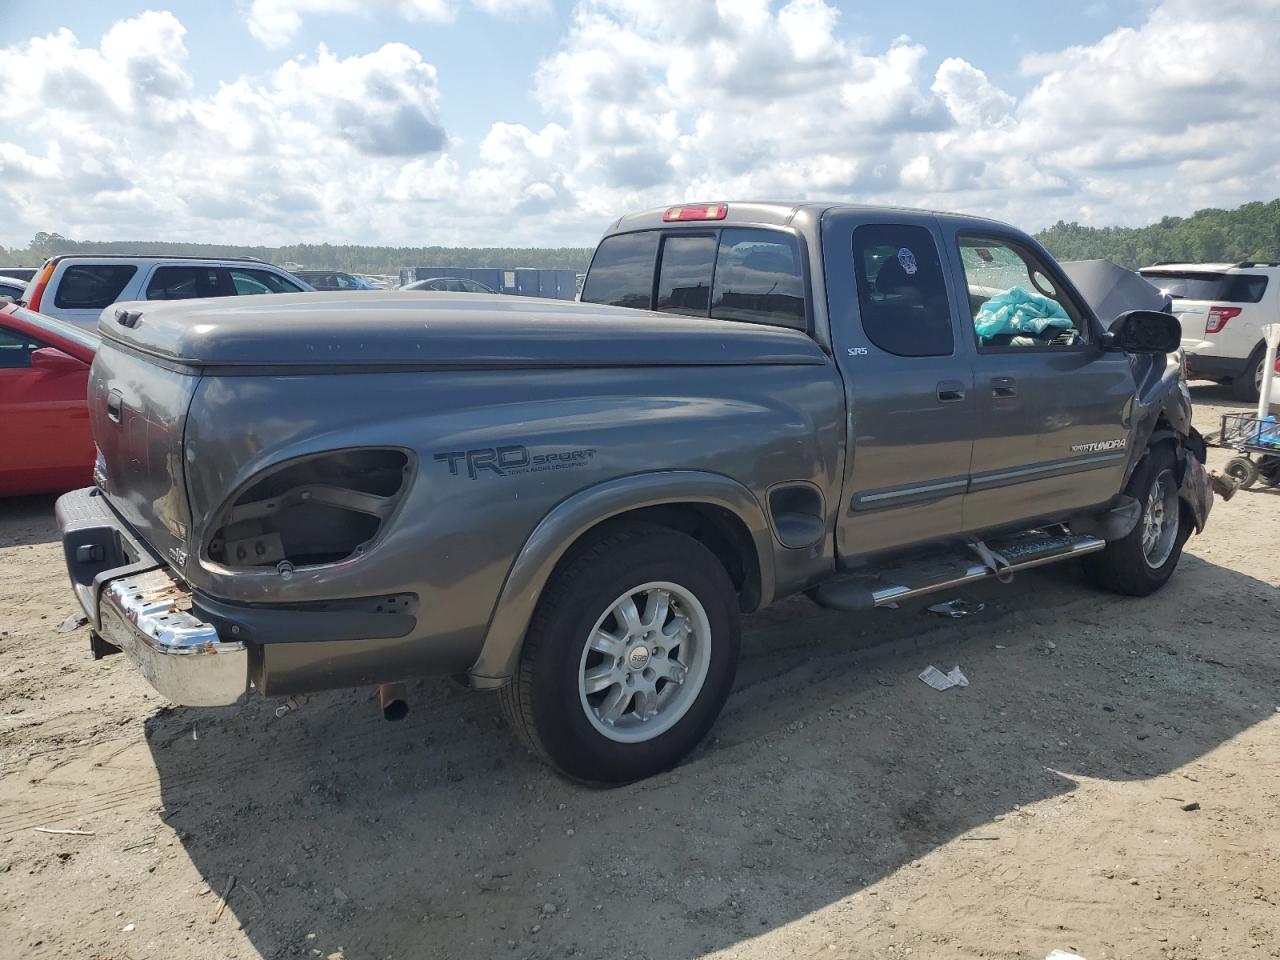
{"x": 572, "y": 518}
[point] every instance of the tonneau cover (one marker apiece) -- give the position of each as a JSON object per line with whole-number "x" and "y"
{"x": 427, "y": 329}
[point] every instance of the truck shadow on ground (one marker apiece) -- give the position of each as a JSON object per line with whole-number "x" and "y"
{"x": 832, "y": 767}
{"x": 27, "y": 520}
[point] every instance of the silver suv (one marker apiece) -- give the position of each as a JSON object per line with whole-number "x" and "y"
{"x": 76, "y": 287}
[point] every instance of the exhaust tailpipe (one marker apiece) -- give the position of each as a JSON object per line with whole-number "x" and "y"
{"x": 393, "y": 698}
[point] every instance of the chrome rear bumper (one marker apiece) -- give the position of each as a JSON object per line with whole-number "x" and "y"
{"x": 134, "y": 602}
{"x": 147, "y": 615}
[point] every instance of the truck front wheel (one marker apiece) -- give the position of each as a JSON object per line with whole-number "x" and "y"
{"x": 1141, "y": 563}
{"x": 629, "y": 658}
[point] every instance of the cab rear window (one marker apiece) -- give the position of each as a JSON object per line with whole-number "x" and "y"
{"x": 750, "y": 275}
{"x": 621, "y": 272}
{"x": 1202, "y": 285}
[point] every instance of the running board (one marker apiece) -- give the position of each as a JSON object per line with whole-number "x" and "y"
{"x": 950, "y": 569}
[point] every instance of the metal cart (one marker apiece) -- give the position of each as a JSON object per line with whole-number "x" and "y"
{"x": 1250, "y": 437}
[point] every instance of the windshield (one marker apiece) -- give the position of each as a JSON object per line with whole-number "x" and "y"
{"x": 1203, "y": 285}
{"x": 67, "y": 331}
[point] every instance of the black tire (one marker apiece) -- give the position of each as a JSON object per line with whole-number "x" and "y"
{"x": 1123, "y": 567}
{"x": 1243, "y": 471}
{"x": 1269, "y": 469}
{"x": 543, "y": 703}
{"x": 1245, "y": 386}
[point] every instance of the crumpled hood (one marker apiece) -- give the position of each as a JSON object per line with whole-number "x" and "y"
{"x": 422, "y": 329}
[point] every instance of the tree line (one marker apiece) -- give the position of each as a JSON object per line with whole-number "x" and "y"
{"x": 1249, "y": 232}
{"x": 312, "y": 256}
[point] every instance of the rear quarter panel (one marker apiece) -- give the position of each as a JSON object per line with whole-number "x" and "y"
{"x": 463, "y": 522}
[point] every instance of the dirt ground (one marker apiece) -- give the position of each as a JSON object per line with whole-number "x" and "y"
{"x": 1108, "y": 785}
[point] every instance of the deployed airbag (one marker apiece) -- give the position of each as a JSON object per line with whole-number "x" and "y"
{"x": 1019, "y": 311}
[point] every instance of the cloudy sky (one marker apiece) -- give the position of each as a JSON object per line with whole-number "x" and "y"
{"x": 534, "y": 122}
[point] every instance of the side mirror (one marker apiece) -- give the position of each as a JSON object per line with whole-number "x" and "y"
{"x": 53, "y": 360}
{"x": 1144, "y": 331}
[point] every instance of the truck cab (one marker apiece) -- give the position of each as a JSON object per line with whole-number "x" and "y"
{"x": 949, "y": 432}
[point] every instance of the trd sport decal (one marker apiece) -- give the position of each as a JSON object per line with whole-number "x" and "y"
{"x": 1100, "y": 446}
{"x": 510, "y": 460}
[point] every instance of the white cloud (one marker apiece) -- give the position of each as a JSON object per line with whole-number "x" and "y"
{"x": 114, "y": 143}
{"x": 646, "y": 102}
{"x": 276, "y": 22}
{"x": 663, "y": 101}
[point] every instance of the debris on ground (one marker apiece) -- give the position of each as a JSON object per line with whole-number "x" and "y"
{"x": 957, "y": 608}
{"x": 293, "y": 703}
{"x": 73, "y": 622}
{"x": 222, "y": 901}
{"x": 943, "y": 681}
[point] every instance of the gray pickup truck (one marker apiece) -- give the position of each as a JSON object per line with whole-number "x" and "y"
{"x": 573, "y": 503}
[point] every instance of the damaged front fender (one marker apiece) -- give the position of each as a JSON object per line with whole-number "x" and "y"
{"x": 1194, "y": 487}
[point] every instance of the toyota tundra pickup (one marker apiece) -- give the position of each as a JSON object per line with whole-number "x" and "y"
{"x": 574, "y": 503}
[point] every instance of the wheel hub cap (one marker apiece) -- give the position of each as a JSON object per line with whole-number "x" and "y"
{"x": 1160, "y": 520}
{"x": 645, "y": 662}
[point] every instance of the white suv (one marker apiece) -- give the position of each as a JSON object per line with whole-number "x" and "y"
{"x": 76, "y": 287}
{"x": 1222, "y": 307}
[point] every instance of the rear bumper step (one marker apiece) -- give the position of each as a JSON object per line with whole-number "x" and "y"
{"x": 951, "y": 569}
{"x": 135, "y": 604}
{"x": 147, "y": 615}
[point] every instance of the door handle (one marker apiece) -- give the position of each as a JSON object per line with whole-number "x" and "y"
{"x": 950, "y": 391}
{"x": 115, "y": 403}
{"x": 1003, "y": 387}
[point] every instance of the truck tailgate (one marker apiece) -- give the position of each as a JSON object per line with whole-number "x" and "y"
{"x": 138, "y": 413}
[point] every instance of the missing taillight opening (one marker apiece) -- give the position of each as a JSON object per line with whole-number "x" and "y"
{"x": 316, "y": 510}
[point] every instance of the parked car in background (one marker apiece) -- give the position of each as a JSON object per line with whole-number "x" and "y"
{"x": 12, "y": 287}
{"x": 333, "y": 280}
{"x": 76, "y": 288}
{"x": 449, "y": 284}
{"x": 19, "y": 273}
{"x": 44, "y": 420}
{"x": 1223, "y": 308}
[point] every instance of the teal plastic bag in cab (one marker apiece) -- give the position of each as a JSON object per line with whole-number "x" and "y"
{"x": 1019, "y": 311}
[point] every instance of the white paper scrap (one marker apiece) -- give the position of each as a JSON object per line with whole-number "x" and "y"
{"x": 943, "y": 681}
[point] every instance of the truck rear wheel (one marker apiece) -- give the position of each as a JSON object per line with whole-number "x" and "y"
{"x": 1142, "y": 562}
{"x": 629, "y": 658}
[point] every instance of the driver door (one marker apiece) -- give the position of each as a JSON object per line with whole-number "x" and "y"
{"x": 1052, "y": 409}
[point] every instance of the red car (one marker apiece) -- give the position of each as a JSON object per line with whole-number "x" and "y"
{"x": 45, "y": 444}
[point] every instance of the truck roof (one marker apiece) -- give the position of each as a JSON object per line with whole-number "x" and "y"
{"x": 771, "y": 212}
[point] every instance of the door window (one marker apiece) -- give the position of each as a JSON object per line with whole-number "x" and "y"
{"x": 248, "y": 282}
{"x": 184, "y": 283}
{"x": 1013, "y": 302}
{"x": 902, "y": 294}
{"x": 16, "y": 350}
{"x": 92, "y": 286}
